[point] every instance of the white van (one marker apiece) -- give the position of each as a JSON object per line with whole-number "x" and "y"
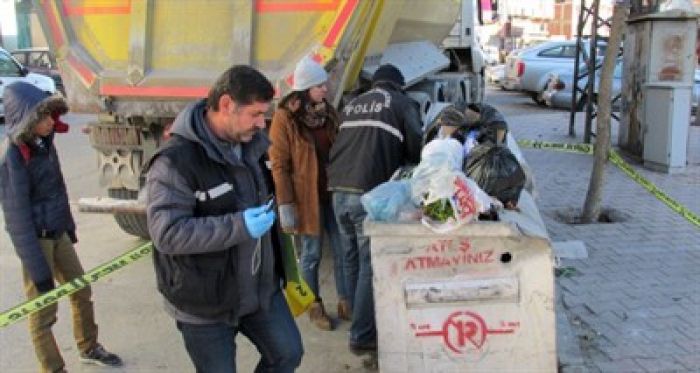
{"x": 12, "y": 71}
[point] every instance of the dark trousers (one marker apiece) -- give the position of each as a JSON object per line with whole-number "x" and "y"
{"x": 212, "y": 347}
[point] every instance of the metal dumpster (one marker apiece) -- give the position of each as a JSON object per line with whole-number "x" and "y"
{"x": 480, "y": 298}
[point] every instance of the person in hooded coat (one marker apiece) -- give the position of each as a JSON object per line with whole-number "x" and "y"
{"x": 40, "y": 224}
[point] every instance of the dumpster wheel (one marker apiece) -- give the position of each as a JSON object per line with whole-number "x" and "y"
{"x": 133, "y": 224}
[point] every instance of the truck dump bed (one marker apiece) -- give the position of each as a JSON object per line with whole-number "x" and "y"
{"x": 147, "y": 58}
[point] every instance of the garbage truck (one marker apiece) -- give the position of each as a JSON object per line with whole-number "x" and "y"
{"x": 137, "y": 63}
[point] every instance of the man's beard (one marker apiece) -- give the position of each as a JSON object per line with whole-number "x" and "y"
{"x": 245, "y": 136}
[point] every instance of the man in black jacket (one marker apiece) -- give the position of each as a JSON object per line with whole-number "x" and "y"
{"x": 210, "y": 225}
{"x": 38, "y": 218}
{"x": 380, "y": 131}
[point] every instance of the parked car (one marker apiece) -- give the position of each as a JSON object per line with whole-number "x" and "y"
{"x": 40, "y": 61}
{"x": 494, "y": 74}
{"x": 510, "y": 84}
{"x": 558, "y": 90}
{"x": 12, "y": 71}
{"x": 490, "y": 54}
{"x": 560, "y": 82}
{"x": 526, "y": 69}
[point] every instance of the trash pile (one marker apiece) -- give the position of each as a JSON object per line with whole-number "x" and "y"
{"x": 466, "y": 173}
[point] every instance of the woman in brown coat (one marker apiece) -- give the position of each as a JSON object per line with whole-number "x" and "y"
{"x": 302, "y": 132}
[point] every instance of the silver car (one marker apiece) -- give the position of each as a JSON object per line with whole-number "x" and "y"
{"x": 527, "y": 69}
{"x": 558, "y": 90}
{"x": 559, "y": 83}
{"x": 12, "y": 71}
{"x": 494, "y": 74}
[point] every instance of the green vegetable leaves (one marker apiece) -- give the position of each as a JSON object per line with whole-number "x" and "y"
{"x": 440, "y": 210}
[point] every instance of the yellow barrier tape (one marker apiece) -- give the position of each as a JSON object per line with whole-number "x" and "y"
{"x": 571, "y": 148}
{"x": 622, "y": 165}
{"x": 653, "y": 189}
{"x": 23, "y": 310}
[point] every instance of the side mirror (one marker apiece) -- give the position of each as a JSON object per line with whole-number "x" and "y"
{"x": 23, "y": 71}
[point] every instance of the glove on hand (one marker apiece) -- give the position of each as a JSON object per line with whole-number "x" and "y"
{"x": 258, "y": 220}
{"x": 288, "y": 216}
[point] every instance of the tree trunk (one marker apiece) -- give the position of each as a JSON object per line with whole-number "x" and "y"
{"x": 592, "y": 206}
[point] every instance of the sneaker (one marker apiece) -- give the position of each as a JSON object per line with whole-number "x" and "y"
{"x": 344, "y": 312}
{"x": 363, "y": 348}
{"x": 99, "y": 356}
{"x": 319, "y": 317}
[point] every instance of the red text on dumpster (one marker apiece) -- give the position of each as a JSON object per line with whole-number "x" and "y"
{"x": 463, "y": 256}
{"x": 463, "y": 331}
{"x": 466, "y": 205}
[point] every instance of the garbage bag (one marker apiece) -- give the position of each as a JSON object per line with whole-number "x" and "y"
{"x": 438, "y": 157}
{"x": 387, "y": 200}
{"x": 451, "y": 201}
{"x": 449, "y": 150}
{"x": 485, "y": 119}
{"x": 497, "y": 172}
{"x": 439, "y": 115}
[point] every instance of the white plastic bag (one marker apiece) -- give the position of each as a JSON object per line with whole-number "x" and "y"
{"x": 464, "y": 195}
{"x": 439, "y": 156}
{"x": 448, "y": 150}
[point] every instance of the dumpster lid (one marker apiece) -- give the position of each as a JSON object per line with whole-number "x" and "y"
{"x": 416, "y": 60}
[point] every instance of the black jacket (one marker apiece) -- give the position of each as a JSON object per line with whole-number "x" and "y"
{"x": 32, "y": 189}
{"x": 380, "y": 131}
{"x": 196, "y": 191}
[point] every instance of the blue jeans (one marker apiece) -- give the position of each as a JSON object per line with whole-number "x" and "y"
{"x": 311, "y": 254}
{"x": 358, "y": 266}
{"x": 212, "y": 347}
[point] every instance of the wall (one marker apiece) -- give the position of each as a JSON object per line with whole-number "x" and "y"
{"x": 8, "y": 25}
{"x": 562, "y": 24}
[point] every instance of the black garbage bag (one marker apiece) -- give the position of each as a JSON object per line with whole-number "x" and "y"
{"x": 449, "y": 116}
{"x": 497, "y": 172}
{"x": 486, "y": 119}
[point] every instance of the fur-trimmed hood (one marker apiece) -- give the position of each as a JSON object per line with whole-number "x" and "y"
{"x": 25, "y": 106}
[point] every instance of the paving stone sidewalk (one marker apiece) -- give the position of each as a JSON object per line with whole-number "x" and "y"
{"x": 634, "y": 304}
{"x": 635, "y": 301}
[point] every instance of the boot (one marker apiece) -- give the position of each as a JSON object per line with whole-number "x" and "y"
{"x": 319, "y": 317}
{"x": 344, "y": 311}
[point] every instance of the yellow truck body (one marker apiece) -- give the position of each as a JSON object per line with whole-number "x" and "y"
{"x": 137, "y": 63}
{"x": 136, "y": 57}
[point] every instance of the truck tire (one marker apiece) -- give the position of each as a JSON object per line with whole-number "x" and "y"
{"x": 133, "y": 224}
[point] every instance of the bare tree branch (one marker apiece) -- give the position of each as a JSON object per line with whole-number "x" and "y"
{"x": 592, "y": 205}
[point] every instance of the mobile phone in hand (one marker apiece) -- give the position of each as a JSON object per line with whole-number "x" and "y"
{"x": 270, "y": 202}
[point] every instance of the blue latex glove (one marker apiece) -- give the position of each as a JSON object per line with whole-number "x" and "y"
{"x": 258, "y": 220}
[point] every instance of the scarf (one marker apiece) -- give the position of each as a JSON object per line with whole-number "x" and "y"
{"x": 316, "y": 115}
